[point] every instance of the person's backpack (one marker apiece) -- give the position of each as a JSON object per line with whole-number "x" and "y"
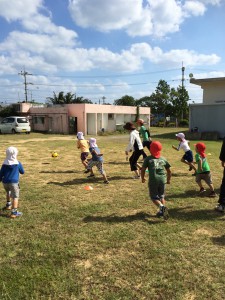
{"x": 148, "y": 133}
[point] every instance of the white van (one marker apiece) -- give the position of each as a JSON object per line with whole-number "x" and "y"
{"x": 15, "y": 125}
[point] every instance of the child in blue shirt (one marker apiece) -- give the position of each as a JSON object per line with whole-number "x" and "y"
{"x": 97, "y": 160}
{"x": 9, "y": 175}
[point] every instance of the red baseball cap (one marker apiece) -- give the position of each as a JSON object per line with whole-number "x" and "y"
{"x": 155, "y": 149}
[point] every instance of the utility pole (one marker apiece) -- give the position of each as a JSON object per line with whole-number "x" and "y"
{"x": 24, "y": 74}
{"x": 182, "y": 86}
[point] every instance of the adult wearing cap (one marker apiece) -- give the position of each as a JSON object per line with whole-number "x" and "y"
{"x": 221, "y": 201}
{"x": 135, "y": 145}
{"x": 144, "y": 133}
{"x": 187, "y": 158}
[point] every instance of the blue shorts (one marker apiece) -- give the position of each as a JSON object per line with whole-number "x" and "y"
{"x": 188, "y": 156}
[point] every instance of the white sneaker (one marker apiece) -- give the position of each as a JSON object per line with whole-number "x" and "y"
{"x": 136, "y": 177}
{"x": 220, "y": 208}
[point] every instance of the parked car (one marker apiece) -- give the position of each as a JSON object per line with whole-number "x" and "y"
{"x": 15, "y": 124}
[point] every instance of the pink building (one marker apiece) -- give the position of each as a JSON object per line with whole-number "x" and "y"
{"x": 88, "y": 118}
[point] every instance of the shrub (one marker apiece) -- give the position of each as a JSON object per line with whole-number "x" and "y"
{"x": 184, "y": 122}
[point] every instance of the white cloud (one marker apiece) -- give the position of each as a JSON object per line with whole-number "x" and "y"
{"x": 13, "y": 10}
{"x": 195, "y": 8}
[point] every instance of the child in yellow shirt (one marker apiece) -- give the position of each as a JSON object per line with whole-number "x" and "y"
{"x": 83, "y": 145}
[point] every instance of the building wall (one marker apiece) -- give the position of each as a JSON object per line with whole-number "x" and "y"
{"x": 213, "y": 92}
{"x": 208, "y": 118}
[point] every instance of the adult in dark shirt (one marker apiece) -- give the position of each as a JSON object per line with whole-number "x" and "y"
{"x": 221, "y": 202}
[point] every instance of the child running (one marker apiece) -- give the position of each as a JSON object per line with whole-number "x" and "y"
{"x": 203, "y": 170}
{"x": 83, "y": 145}
{"x": 9, "y": 175}
{"x": 157, "y": 178}
{"x": 97, "y": 160}
{"x": 187, "y": 158}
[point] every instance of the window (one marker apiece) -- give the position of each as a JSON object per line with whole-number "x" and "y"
{"x": 110, "y": 116}
{"x": 39, "y": 120}
{"x": 22, "y": 120}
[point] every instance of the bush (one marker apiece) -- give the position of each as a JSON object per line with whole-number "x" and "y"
{"x": 184, "y": 122}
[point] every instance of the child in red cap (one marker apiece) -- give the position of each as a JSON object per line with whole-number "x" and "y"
{"x": 157, "y": 177}
{"x": 203, "y": 170}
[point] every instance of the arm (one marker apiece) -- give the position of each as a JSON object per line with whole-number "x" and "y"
{"x": 143, "y": 174}
{"x": 21, "y": 169}
{"x": 175, "y": 148}
{"x": 131, "y": 144}
{"x": 169, "y": 174}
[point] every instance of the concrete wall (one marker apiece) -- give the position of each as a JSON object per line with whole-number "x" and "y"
{"x": 213, "y": 92}
{"x": 208, "y": 118}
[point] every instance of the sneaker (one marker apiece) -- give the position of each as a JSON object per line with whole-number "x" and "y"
{"x": 202, "y": 190}
{"x": 106, "y": 182}
{"x": 86, "y": 171}
{"x": 159, "y": 214}
{"x": 165, "y": 212}
{"x": 136, "y": 177}
{"x": 212, "y": 194}
{"x": 91, "y": 175}
{"x": 8, "y": 206}
{"x": 220, "y": 208}
{"x": 15, "y": 214}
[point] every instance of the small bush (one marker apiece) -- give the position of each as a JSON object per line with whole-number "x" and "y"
{"x": 184, "y": 122}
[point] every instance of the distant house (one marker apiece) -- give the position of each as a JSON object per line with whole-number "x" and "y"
{"x": 88, "y": 118}
{"x": 209, "y": 116}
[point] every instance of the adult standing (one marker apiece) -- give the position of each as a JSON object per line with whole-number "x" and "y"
{"x": 135, "y": 146}
{"x": 221, "y": 202}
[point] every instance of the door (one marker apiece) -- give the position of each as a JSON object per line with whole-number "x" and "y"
{"x": 73, "y": 125}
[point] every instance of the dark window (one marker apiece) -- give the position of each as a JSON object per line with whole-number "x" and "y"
{"x": 22, "y": 120}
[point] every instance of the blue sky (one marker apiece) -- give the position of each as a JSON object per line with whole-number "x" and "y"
{"x": 102, "y": 48}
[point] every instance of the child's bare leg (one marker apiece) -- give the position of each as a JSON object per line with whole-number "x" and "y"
{"x": 85, "y": 163}
{"x": 15, "y": 203}
{"x": 211, "y": 187}
{"x": 137, "y": 173}
{"x": 190, "y": 164}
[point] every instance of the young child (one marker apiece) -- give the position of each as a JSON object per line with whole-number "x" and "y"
{"x": 145, "y": 134}
{"x": 221, "y": 202}
{"x": 157, "y": 177}
{"x": 203, "y": 170}
{"x": 83, "y": 145}
{"x": 9, "y": 175}
{"x": 188, "y": 155}
{"x": 97, "y": 160}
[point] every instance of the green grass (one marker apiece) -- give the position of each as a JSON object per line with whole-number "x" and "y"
{"x": 107, "y": 243}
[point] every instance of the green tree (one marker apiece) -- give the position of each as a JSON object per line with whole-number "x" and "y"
{"x": 160, "y": 99}
{"x": 179, "y": 99}
{"x": 66, "y": 99}
{"x": 126, "y": 101}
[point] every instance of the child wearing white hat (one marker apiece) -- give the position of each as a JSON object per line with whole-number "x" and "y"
{"x": 187, "y": 158}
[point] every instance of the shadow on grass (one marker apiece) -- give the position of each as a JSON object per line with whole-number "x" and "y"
{"x": 169, "y": 135}
{"x": 140, "y": 216}
{"x": 186, "y": 214}
{"x": 192, "y": 194}
{"x": 88, "y": 180}
{"x": 220, "y": 240}
{"x": 63, "y": 172}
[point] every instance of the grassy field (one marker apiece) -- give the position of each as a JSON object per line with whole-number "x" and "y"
{"x": 74, "y": 244}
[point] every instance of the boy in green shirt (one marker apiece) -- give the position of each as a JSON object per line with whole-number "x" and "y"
{"x": 157, "y": 177}
{"x": 203, "y": 170}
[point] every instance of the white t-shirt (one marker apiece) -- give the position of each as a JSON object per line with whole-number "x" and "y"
{"x": 183, "y": 145}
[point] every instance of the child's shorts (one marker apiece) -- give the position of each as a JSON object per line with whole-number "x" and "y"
{"x": 84, "y": 156}
{"x": 204, "y": 176}
{"x": 157, "y": 191}
{"x": 188, "y": 156}
{"x": 13, "y": 189}
{"x": 98, "y": 164}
